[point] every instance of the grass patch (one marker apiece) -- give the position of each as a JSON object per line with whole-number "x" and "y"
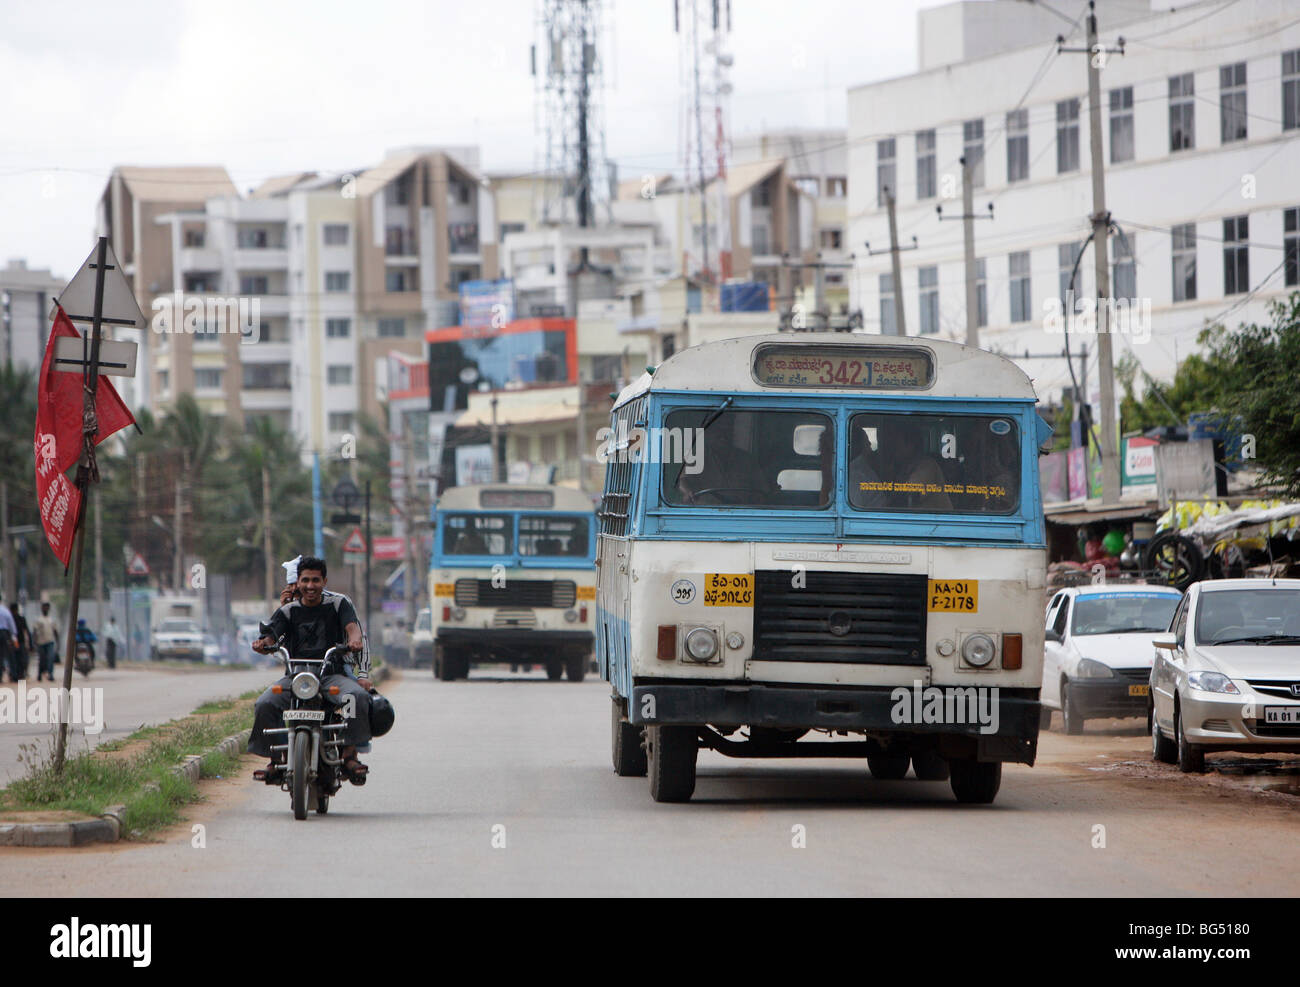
{"x": 91, "y": 781}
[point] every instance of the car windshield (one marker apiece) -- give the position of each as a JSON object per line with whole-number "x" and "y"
{"x": 553, "y": 534}
{"x": 477, "y": 534}
{"x": 178, "y": 627}
{"x": 1123, "y": 613}
{"x": 1248, "y": 616}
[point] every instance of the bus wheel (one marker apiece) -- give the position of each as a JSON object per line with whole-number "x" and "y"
{"x": 887, "y": 767}
{"x": 575, "y": 666}
{"x": 930, "y": 767}
{"x": 975, "y": 781}
{"x": 554, "y": 669}
{"x": 626, "y": 744}
{"x": 671, "y": 762}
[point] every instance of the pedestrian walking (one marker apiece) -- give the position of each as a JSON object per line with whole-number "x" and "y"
{"x": 8, "y": 640}
{"x": 45, "y": 635}
{"x": 22, "y": 643}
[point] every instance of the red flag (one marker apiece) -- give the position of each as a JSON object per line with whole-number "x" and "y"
{"x": 59, "y": 406}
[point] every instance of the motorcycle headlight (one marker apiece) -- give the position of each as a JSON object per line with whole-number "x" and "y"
{"x": 1212, "y": 682}
{"x": 1090, "y": 669}
{"x": 305, "y": 685}
{"x": 978, "y": 650}
{"x": 701, "y": 644}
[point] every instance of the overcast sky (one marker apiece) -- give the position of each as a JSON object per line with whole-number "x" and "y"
{"x": 269, "y": 87}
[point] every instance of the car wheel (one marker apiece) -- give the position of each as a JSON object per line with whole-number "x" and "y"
{"x": 1163, "y": 750}
{"x": 975, "y": 782}
{"x": 1191, "y": 758}
{"x": 1070, "y": 717}
{"x": 888, "y": 767}
{"x": 930, "y": 767}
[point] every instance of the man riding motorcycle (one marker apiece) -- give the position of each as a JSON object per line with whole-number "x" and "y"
{"x": 311, "y": 625}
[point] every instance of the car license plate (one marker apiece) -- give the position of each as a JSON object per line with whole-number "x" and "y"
{"x": 303, "y": 714}
{"x": 1139, "y": 690}
{"x": 953, "y": 596}
{"x": 725, "y": 589}
{"x": 1282, "y": 714}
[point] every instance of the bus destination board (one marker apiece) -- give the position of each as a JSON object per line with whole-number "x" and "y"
{"x": 857, "y": 367}
{"x": 539, "y": 499}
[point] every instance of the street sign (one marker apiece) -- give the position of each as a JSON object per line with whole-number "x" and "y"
{"x": 137, "y": 566}
{"x": 345, "y": 517}
{"x": 345, "y": 493}
{"x": 116, "y": 357}
{"x": 119, "y": 305}
{"x": 355, "y": 542}
{"x": 387, "y": 547}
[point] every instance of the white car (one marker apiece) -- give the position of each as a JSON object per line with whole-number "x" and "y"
{"x": 1097, "y": 650}
{"x": 1227, "y": 675}
{"x": 177, "y": 637}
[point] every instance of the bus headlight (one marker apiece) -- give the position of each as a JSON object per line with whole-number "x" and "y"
{"x": 305, "y": 685}
{"x": 571, "y": 615}
{"x": 977, "y": 650}
{"x": 459, "y": 613}
{"x": 701, "y": 644}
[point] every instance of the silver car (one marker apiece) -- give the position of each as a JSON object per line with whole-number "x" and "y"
{"x": 1227, "y": 675}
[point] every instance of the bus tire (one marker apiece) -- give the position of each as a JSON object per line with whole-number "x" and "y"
{"x": 575, "y": 666}
{"x": 975, "y": 782}
{"x": 671, "y": 762}
{"x": 626, "y": 745}
{"x": 555, "y": 669}
{"x": 930, "y": 766}
{"x": 887, "y": 767}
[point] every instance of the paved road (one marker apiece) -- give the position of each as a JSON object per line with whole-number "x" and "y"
{"x": 134, "y": 695}
{"x": 532, "y": 756}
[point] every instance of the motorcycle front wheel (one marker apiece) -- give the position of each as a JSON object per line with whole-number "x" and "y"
{"x": 301, "y": 749}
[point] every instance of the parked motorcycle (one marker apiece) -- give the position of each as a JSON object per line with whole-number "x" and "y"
{"x": 84, "y": 660}
{"x": 313, "y": 738}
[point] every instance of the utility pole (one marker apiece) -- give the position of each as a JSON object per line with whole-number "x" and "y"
{"x": 1097, "y": 54}
{"x": 496, "y": 438}
{"x": 408, "y": 527}
{"x": 176, "y": 539}
{"x": 582, "y": 434}
{"x": 896, "y": 267}
{"x": 6, "y": 550}
{"x": 271, "y": 594}
{"x": 99, "y": 561}
{"x": 968, "y": 218}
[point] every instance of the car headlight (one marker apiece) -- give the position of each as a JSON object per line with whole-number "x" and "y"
{"x": 701, "y": 644}
{"x": 305, "y": 685}
{"x": 978, "y": 650}
{"x": 1090, "y": 669}
{"x": 571, "y": 615}
{"x": 1211, "y": 682}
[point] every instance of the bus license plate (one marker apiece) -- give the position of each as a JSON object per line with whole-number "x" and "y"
{"x": 303, "y": 714}
{"x": 1139, "y": 690}
{"x": 953, "y": 596}
{"x": 723, "y": 589}
{"x": 444, "y": 589}
{"x": 1282, "y": 714}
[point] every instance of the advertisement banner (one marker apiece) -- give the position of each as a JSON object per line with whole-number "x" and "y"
{"x": 487, "y": 304}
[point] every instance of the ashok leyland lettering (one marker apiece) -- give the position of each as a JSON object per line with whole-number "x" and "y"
{"x": 851, "y": 551}
{"x": 512, "y": 579}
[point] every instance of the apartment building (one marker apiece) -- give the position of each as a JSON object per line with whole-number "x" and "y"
{"x": 1200, "y": 120}
{"x": 25, "y": 296}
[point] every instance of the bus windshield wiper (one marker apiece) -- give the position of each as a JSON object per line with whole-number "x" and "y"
{"x": 713, "y": 415}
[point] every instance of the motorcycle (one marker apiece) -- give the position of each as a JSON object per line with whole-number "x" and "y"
{"x": 84, "y": 660}
{"x": 313, "y": 739}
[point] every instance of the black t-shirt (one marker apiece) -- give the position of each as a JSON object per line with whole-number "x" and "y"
{"x": 311, "y": 631}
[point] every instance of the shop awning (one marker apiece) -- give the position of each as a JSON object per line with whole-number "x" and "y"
{"x": 1095, "y": 515}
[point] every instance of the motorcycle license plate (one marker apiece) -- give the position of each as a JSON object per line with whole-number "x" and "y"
{"x": 303, "y": 714}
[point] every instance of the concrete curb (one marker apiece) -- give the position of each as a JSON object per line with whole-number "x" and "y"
{"x": 108, "y": 827}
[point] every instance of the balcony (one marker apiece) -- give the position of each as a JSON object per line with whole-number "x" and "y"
{"x": 274, "y": 258}
{"x": 200, "y": 259}
{"x": 400, "y": 242}
{"x": 462, "y": 239}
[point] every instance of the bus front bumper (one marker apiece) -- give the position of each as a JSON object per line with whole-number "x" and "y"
{"x": 999, "y": 725}
{"x": 514, "y": 637}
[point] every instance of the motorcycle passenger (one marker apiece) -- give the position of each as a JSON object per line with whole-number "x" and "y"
{"x": 311, "y": 625}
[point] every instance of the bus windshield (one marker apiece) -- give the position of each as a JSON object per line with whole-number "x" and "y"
{"x": 910, "y": 463}
{"x": 553, "y": 534}
{"x": 477, "y": 534}
{"x": 775, "y": 459}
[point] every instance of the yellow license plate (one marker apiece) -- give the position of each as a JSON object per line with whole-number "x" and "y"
{"x": 953, "y": 596}
{"x": 586, "y": 592}
{"x": 725, "y": 589}
{"x": 444, "y": 589}
{"x": 1139, "y": 690}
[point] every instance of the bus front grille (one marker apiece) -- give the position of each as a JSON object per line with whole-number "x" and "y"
{"x": 512, "y": 592}
{"x": 857, "y": 618}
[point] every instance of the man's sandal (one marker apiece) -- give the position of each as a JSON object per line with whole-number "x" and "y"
{"x": 355, "y": 770}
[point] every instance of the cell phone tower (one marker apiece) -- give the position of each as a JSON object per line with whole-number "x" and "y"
{"x": 568, "y": 77}
{"x": 703, "y": 29}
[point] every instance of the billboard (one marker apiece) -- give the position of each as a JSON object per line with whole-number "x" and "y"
{"x": 487, "y": 304}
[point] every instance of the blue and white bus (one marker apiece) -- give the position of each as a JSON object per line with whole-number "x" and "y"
{"x": 512, "y": 579}
{"x": 824, "y": 533}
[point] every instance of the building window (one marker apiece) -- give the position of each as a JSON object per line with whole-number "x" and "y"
{"x": 395, "y": 281}
{"x": 886, "y": 170}
{"x": 162, "y": 381}
{"x": 254, "y": 284}
{"x": 1184, "y": 254}
{"x": 1017, "y": 145}
{"x": 888, "y": 320}
{"x": 207, "y": 378}
{"x": 1021, "y": 298}
{"x": 837, "y": 187}
{"x": 1182, "y": 116}
{"x": 1121, "y": 125}
{"x": 1124, "y": 269}
{"x": 925, "y": 167}
{"x": 1065, "y": 255}
{"x": 336, "y": 234}
{"x": 760, "y": 197}
{"x": 1232, "y": 103}
{"x": 548, "y": 449}
{"x": 808, "y": 185}
{"x": 761, "y": 246}
{"x": 1291, "y": 244}
{"x": 338, "y": 328}
{"x": 1067, "y": 136}
{"x": 337, "y": 280}
{"x": 928, "y": 281}
{"x": 194, "y": 238}
{"x": 1236, "y": 255}
{"x": 1291, "y": 89}
{"x": 392, "y": 328}
{"x": 508, "y": 228}
{"x": 340, "y": 421}
{"x": 972, "y": 143}
{"x": 981, "y": 294}
{"x": 339, "y": 373}
{"x": 832, "y": 239}
{"x": 266, "y": 376}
